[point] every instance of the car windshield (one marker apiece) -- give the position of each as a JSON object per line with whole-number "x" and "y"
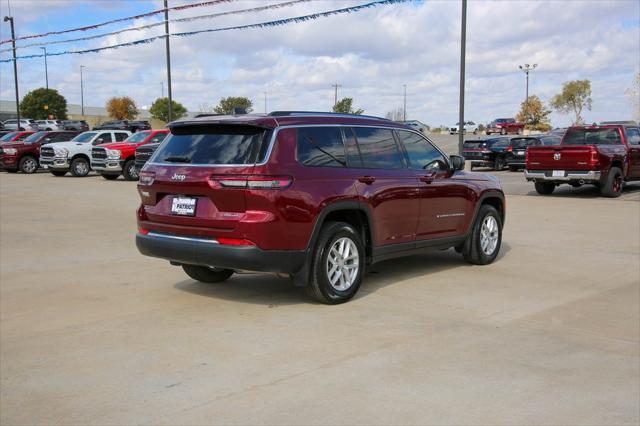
{"x": 35, "y": 137}
{"x": 137, "y": 137}
{"x": 84, "y": 137}
{"x": 213, "y": 145}
{"x": 8, "y": 137}
{"x": 474, "y": 144}
{"x": 592, "y": 137}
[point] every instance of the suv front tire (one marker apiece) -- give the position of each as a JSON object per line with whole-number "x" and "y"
{"x": 483, "y": 243}
{"x": 337, "y": 265}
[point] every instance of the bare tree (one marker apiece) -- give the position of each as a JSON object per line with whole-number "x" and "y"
{"x": 396, "y": 114}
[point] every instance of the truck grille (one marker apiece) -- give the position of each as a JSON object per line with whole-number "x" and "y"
{"x": 99, "y": 153}
{"x": 47, "y": 152}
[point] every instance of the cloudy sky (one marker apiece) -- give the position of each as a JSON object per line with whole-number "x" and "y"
{"x": 371, "y": 54}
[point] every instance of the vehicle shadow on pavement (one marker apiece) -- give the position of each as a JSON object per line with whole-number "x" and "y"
{"x": 589, "y": 192}
{"x": 274, "y": 291}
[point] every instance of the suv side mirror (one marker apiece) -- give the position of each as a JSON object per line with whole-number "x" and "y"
{"x": 457, "y": 162}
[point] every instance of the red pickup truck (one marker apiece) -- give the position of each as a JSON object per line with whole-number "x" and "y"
{"x": 113, "y": 159}
{"x": 504, "y": 126}
{"x": 606, "y": 156}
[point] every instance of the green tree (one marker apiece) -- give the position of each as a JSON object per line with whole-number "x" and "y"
{"x": 123, "y": 108}
{"x": 227, "y": 105}
{"x": 160, "y": 110}
{"x": 575, "y": 96}
{"x": 345, "y": 106}
{"x": 40, "y": 103}
{"x": 534, "y": 114}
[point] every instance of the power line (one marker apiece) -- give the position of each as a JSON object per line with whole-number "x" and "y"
{"x": 157, "y": 24}
{"x": 279, "y": 22}
{"x": 113, "y": 21}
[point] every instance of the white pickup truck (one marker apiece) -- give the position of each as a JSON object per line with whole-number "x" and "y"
{"x": 75, "y": 155}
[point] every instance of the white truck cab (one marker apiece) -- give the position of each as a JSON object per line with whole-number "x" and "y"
{"x": 75, "y": 155}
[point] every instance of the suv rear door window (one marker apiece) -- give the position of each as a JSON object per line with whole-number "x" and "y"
{"x": 592, "y": 137}
{"x": 422, "y": 155}
{"x": 214, "y": 144}
{"x": 378, "y": 148}
{"x": 321, "y": 147}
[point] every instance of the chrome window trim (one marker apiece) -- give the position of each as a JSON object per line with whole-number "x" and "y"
{"x": 274, "y": 136}
{"x": 178, "y": 237}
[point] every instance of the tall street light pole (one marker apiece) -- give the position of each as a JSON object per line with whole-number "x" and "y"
{"x": 265, "y": 102}
{"x": 404, "y": 109}
{"x": 526, "y": 68}
{"x": 46, "y": 70}
{"x": 463, "y": 45}
{"x": 168, "y": 49}
{"x": 81, "y": 90}
{"x": 335, "y": 98}
{"x": 162, "y": 89}
{"x": 15, "y": 69}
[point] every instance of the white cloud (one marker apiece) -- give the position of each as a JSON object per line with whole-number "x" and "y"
{"x": 372, "y": 54}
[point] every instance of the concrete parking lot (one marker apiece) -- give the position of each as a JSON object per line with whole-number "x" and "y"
{"x": 91, "y": 332}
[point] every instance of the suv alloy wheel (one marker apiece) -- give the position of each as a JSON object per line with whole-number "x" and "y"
{"x": 338, "y": 264}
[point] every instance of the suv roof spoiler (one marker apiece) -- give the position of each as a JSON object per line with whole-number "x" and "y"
{"x": 321, "y": 114}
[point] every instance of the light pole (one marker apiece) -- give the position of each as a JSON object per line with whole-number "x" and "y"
{"x": 46, "y": 71}
{"x": 162, "y": 89}
{"x": 15, "y": 69}
{"x": 168, "y": 49}
{"x": 335, "y": 97}
{"x": 404, "y": 109}
{"x": 81, "y": 90}
{"x": 463, "y": 45}
{"x": 526, "y": 68}
{"x": 265, "y": 102}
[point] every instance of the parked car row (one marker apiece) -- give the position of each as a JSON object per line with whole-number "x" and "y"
{"x": 29, "y": 124}
{"x": 504, "y": 151}
{"x": 108, "y": 152}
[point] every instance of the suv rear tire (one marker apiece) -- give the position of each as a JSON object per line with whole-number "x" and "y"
{"x": 207, "y": 275}
{"x": 545, "y": 188}
{"x": 337, "y": 265}
{"x": 483, "y": 243}
{"x": 612, "y": 186}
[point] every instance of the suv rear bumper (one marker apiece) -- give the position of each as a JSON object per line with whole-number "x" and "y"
{"x": 208, "y": 252}
{"x": 569, "y": 176}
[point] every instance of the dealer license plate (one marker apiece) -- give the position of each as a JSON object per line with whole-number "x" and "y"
{"x": 558, "y": 173}
{"x": 184, "y": 206}
{"x": 520, "y": 153}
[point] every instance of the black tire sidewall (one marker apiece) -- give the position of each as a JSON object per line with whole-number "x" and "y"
{"x": 478, "y": 255}
{"x": 607, "y": 188}
{"x": 125, "y": 170}
{"x": 73, "y": 167}
{"x": 23, "y": 160}
{"x": 328, "y": 237}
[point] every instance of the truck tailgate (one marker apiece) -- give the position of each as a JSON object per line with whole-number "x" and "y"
{"x": 558, "y": 157}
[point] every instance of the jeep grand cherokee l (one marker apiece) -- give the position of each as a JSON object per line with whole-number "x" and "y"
{"x": 316, "y": 196}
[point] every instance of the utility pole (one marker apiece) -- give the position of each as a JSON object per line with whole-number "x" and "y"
{"x": 463, "y": 45}
{"x": 526, "y": 68}
{"x": 162, "y": 89}
{"x": 404, "y": 109}
{"x": 335, "y": 98}
{"x": 265, "y": 102}
{"x": 15, "y": 69}
{"x": 46, "y": 71}
{"x": 81, "y": 90}
{"x": 166, "y": 32}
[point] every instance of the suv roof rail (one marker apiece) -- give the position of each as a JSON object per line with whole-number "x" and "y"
{"x": 321, "y": 113}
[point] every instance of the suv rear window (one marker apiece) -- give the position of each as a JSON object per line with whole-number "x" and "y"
{"x": 592, "y": 137}
{"x": 214, "y": 145}
{"x": 321, "y": 147}
{"x": 474, "y": 144}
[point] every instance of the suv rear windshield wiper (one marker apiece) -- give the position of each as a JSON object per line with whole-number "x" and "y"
{"x": 177, "y": 159}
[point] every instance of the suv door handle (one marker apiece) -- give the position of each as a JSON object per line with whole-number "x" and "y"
{"x": 427, "y": 178}
{"x": 367, "y": 179}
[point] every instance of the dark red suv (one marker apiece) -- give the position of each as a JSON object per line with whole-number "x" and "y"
{"x": 317, "y": 196}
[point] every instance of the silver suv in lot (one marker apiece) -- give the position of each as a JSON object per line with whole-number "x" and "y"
{"x": 25, "y": 124}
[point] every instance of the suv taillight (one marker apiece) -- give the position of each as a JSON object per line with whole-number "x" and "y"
{"x": 509, "y": 149}
{"x": 251, "y": 182}
{"x": 146, "y": 178}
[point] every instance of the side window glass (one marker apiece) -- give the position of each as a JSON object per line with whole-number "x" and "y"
{"x": 158, "y": 138}
{"x": 422, "y": 155}
{"x": 321, "y": 147}
{"x": 121, "y": 136}
{"x": 106, "y": 138}
{"x": 353, "y": 152}
{"x": 378, "y": 148}
{"x": 633, "y": 136}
